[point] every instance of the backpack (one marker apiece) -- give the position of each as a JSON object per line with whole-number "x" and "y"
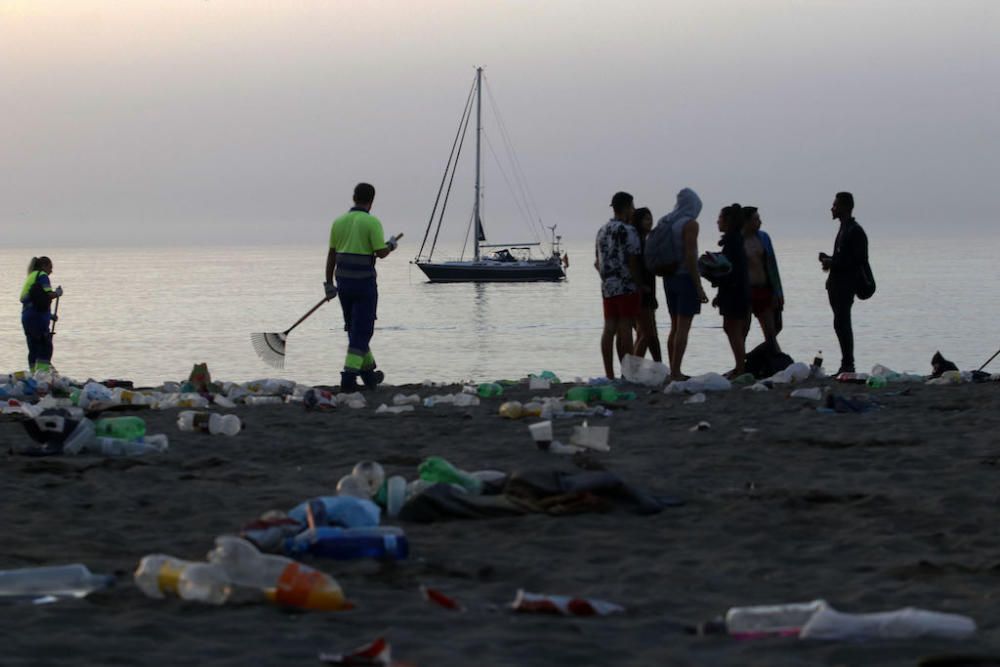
{"x": 864, "y": 283}
{"x": 764, "y": 361}
{"x": 661, "y": 254}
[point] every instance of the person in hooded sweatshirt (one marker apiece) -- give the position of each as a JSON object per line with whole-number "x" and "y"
{"x": 683, "y": 288}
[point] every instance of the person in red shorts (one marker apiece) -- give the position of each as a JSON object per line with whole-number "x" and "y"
{"x": 618, "y": 251}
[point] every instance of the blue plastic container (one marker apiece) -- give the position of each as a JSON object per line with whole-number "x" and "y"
{"x": 382, "y": 543}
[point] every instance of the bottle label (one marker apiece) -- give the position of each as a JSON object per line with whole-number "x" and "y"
{"x": 167, "y": 578}
{"x": 200, "y": 422}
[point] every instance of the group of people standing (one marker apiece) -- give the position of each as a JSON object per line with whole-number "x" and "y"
{"x": 745, "y": 272}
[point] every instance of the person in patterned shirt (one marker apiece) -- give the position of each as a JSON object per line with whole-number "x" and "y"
{"x": 618, "y": 251}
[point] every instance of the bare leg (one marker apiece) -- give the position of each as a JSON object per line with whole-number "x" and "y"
{"x": 678, "y": 346}
{"x": 607, "y": 345}
{"x": 768, "y": 326}
{"x": 736, "y": 332}
{"x": 670, "y": 342}
{"x": 624, "y": 337}
{"x": 652, "y": 339}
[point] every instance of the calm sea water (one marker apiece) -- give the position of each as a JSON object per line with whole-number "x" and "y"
{"x": 149, "y": 314}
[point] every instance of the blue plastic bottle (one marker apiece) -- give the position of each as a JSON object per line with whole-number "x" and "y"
{"x": 382, "y": 542}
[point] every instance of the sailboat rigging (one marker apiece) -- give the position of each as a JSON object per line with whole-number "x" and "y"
{"x": 507, "y": 262}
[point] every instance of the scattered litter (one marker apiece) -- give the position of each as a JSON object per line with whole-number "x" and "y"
{"x": 812, "y": 393}
{"x": 378, "y": 653}
{"x": 564, "y": 605}
{"x": 395, "y": 410}
{"x": 699, "y": 384}
{"x": 700, "y": 426}
{"x": 55, "y": 582}
{"x": 440, "y": 599}
{"x": 591, "y": 437}
{"x": 644, "y": 371}
{"x": 403, "y": 399}
{"x": 697, "y": 398}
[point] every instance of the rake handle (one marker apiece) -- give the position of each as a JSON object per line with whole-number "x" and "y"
{"x": 303, "y": 318}
{"x": 56, "y": 319}
{"x": 989, "y": 360}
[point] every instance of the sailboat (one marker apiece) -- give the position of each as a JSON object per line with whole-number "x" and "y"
{"x": 503, "y": 262}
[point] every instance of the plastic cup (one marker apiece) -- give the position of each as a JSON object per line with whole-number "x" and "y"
{"x": 541, "y": 433}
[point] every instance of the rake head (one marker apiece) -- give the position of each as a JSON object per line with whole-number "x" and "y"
{"x": 270, "y": 347}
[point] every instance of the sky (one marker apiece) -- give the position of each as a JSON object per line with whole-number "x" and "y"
{"x": 185, "y": 122}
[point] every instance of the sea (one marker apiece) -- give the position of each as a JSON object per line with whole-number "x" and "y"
{"x": 149, "y": 314}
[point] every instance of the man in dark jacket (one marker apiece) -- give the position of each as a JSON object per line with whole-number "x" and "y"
{"x": 850, "y": 256}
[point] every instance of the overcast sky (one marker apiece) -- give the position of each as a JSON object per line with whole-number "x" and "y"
{"x": 182, "y": 121}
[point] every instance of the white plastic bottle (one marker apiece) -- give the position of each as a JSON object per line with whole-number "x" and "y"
{"x": 159, "y": 574}
{"x": 59, "y": 581}
{"x": 907, "y": 623}
{"x": 770, "y": 620}
{"x": 214, "y": 423}
{"x": 153, "y": 444}
{"x": 371, "y": 474}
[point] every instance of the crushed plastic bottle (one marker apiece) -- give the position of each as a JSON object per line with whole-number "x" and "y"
{"x": 205, "y": 422}
{"x": 61, "y": 581}
{"x": 437, "y": 469}
{"x": 379, "y": 542}
{"x": 122, "y": 428}
{"x": 282, "y": 580}
{"x": 490, "y": 390}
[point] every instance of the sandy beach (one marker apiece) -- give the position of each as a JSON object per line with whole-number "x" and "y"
{"x": 870, "y": 511}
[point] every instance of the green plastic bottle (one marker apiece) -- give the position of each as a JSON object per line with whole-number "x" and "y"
{"x": 550, "y": 376}
{"x": 877, "y": 382}
{"x": 436, "y": 469}
{"x": 609, "y": 394}
{"x": 579, "y": 394}
{"x": 490, "y": 390}
{"x": 123, "y": 428}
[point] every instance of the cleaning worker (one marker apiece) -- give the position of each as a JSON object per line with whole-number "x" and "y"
{"x": 356, "y": 239}
{"x": 36, "y": 318}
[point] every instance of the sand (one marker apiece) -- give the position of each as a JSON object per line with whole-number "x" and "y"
{"x": 870, "y": 511}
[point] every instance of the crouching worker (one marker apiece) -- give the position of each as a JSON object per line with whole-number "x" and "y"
{"x": 36, "y": 317}
{"x": 356, "y": 239}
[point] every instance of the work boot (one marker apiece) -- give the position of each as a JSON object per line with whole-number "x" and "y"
{"x": 372, "y": 378}
{"x": 348, "y": 381}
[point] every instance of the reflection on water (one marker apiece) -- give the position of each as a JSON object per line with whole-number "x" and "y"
{"x": 151, "y": 314}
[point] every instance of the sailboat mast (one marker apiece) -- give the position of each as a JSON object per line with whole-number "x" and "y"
{"x": 479, "y": 131}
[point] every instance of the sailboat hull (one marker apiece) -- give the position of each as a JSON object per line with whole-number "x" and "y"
{"x": 493, "y": 272}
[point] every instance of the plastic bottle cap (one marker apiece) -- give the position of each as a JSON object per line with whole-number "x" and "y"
{"x": 168, "y": 577}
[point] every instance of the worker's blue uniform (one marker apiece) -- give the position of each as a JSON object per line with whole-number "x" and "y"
{"x": 36, "y": 320}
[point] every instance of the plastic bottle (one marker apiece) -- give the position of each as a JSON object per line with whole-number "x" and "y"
{"x": 465, "y": 400}
{"x": 381, "y": 542}
{"x": 395, "y": 495}
{"x": 771, "y": 620}
{"x": 371, "y": 474}
{"x": 58, "y": 581}
{"x": 436, "y": 469}
{"x": 205, "y": 422}
{"x": 908, "y": 623}
{"x": 511, "y": 410}
{"x": 581, "y": 394}
{"x": 123, "y": 428}
{"x": 489, "y": 390}
{"x": 349, "y": 485}
{"x": 609, "y": 394}
{"x": 158, "y": 574}
{"x": 283, "y": 580}
{"x": 818, "y": 360}
{"x": 877, "y": 382}
{"x": 148, "y": 444}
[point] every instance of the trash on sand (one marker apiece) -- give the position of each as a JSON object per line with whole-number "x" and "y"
{"x": 592, "y": 437}
{"x": 378, "y": 542}
{"x": 403, "y": 399}
{"x": 541, "y": 433}
{"x": 440, "y": 599}
{"x": 699, "y": 384}
{"x": 394, "y": 410}
{"x": 818, "y": 620}
{"x": 563, "y": 604}
{"x": 60, "y": 581}
{"x": 644, "y": 371}
{"x": 436, "y": 469}
{"x": 700, "y": 426}
{"x": 377, "y": 653}
{"x": 812, "y": 393}
{"x": 697, "y": 398}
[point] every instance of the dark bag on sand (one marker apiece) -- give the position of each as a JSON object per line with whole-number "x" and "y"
{"x": 660, "y": 254}
{"x": 764, "y": 361}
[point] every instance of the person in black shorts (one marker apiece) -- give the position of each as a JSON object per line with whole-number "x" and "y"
{"x": 733, "y": 299}
{"x": 645, "y": 325}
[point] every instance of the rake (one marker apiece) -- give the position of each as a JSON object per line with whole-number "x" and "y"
{"x": 270, "y": 347}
